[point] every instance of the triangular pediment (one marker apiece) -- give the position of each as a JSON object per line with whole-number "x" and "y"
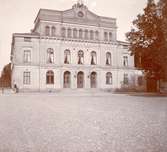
{"x": 69, "y": 13}
{"x": 92, "y": 16}
{"x": 80, "y": 13}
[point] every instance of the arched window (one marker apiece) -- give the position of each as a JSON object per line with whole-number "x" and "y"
{"x": 108, "y": 58}
{"x": 47, "y": 30}
{"x": 108, "y": 78}
{"x": 53, "y": 31}
{"x": 69, "y": 33}
{"x": 50, "y": 55}
{"x": 80, "y": 33}
{"x": 63, "y": 32}
{"x": 74, "y": 33}
{"x": 86, "y": 34}
{"x": 50, "y": 77}
{"x": 97, "y": 35}
{"x": 67, "y": 56}
{"x": 110, "y": 36}
{"x": 91, "y": 35}
{"x": 93, "y": 58}
{"x": 105, "y": 36}
{"x": 67, "y": 79}
{"x": 80, "y": 57}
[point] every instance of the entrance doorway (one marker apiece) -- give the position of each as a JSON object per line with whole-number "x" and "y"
{"x": 93, "y": 80}
{"x": 80, "y": 80}
{"x": 67, "y": 79}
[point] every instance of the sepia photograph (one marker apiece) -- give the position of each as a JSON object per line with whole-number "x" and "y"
{"x": 83, "y": 76}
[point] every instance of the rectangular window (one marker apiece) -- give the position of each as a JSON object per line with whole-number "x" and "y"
{"x": 27, "y": 39}
{"x": 27, "y": 56}
{"x": 47, "y": 30}
{"x": 69, "y": 33}
{"x": 26, "y": 78}
{"x": 126, "y": 80}
{"x": 86, "y": 34}
{"x": 63, "y": 32}
{"x": 80, "y": 34}
{"x": 97, "y": 35}
{"x": 110, "y": 36}
{"x": 105, "y": 36}
{"x": 109, "y": 78}
{"x": 125, "y": 61}
{"x": 74, "y": 33}
{"x": 91, "y": 35}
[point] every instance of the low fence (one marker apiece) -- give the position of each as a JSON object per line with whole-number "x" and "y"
{"x": 5, "y": 86}
{"x": 6, "y": 90}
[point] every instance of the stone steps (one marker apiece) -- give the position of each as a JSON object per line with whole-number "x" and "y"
{"x": 61, "y": 92}
{"x": 86, "y": 92}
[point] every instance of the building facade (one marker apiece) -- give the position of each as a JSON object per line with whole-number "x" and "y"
{"x": 72, "y": 49}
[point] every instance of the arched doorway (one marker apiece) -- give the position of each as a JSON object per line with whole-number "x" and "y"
{"x": 67, "y": 79}
{"x": 50, "y": 77}
{"x": 93, "y": 80}
{"x": 80, "y": 79}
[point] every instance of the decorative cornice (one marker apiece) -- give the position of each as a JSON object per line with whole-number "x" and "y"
{"x": 76, "y": 66}
{"x": 64, "y": 39}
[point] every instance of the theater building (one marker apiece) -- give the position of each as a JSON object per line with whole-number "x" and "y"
{"x": 74, "y": 49}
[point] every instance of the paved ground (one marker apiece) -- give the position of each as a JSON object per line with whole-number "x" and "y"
{"x": 50, "y": 123}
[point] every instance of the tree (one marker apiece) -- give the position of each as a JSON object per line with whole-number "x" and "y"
{"x": 163, "y": 11}
{"x": 146, "y": 40}
{"x": 5, "y": 79}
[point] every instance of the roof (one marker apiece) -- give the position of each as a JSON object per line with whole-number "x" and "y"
{"x": 70, "y": 16}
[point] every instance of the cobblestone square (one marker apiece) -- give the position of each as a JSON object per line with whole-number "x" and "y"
{"x": 51, "y": 123}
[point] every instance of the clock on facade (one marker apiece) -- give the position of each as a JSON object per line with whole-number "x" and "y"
{"x": 80, "y": 14}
